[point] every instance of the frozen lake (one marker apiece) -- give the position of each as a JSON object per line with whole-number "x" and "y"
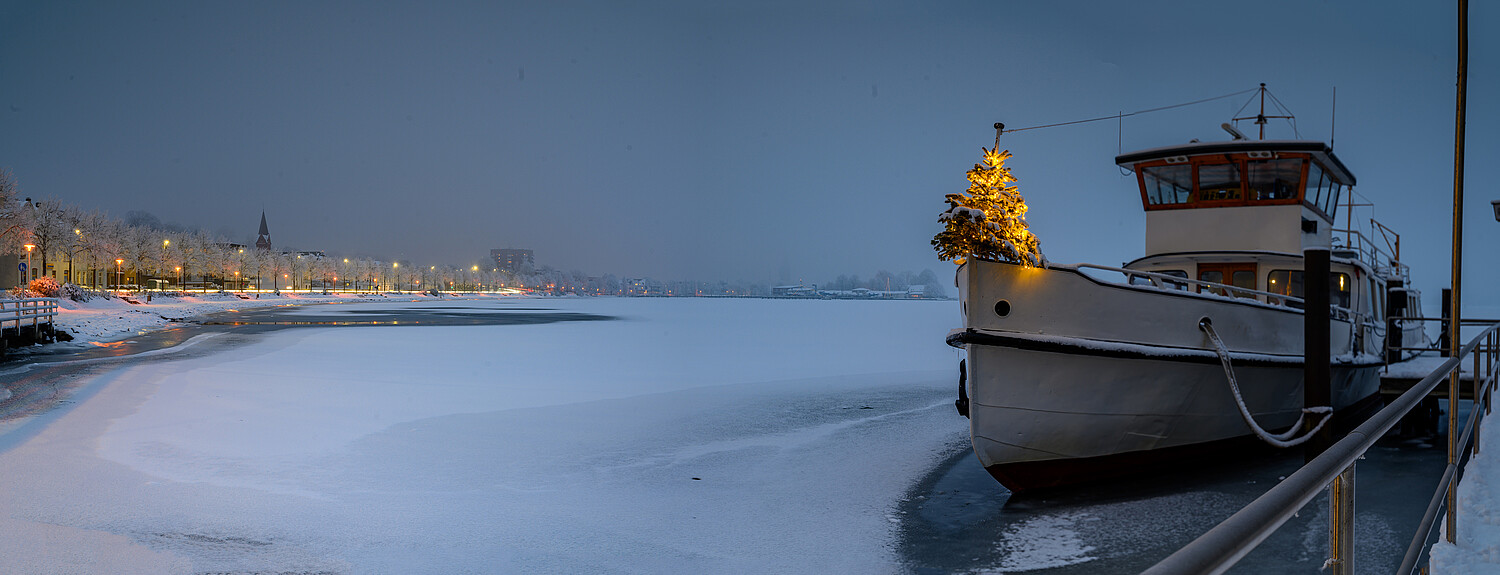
{"x": 684, "y": 435}
{"x": 582, "y": 435}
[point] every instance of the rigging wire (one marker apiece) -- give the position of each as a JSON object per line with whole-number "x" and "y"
{"x": 1135, "y": 113}
{"x": 1287, "y": 111}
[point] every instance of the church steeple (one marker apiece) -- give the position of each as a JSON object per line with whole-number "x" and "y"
{"x": 264, "y": 241}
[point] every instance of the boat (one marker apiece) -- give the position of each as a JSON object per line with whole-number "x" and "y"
{"x": 1075, "y": 373}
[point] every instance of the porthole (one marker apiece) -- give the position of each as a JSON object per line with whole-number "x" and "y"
{"x": 1002, "y": 308}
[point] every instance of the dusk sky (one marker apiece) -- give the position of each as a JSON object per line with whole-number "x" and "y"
{"x": 757, "y": 141}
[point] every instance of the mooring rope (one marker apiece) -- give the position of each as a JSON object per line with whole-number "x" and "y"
{"x": 1287, "y": 439}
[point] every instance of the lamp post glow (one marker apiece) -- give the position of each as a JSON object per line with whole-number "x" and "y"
{"x": 164, "y": 244}
{"x": 28, "y": 275}
{"x": 119, "y": 273}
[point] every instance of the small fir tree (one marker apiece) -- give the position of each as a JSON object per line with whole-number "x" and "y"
{"x": 989, "y": 222}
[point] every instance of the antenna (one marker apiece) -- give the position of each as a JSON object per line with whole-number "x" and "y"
{"x": 1334, "y": 120}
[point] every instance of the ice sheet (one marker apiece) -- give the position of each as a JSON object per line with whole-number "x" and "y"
{"x": 692, "y": 435}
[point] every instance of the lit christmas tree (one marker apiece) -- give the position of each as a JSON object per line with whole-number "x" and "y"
{"x": 989, "y": 222}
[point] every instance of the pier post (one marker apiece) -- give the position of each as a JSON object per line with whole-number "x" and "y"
{"x": 1341, "y": 523}
{"x": 1316, "y": 369}
{"x": 1395, "y": 309}
{"x": 1445, "y": 338}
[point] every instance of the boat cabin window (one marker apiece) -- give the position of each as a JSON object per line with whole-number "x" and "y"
{"x": 1169, "y": 284}
{"x": 1274, "y": 179}
{"x": 1237, "y": 275}
{"x": 1219, "y": 182}
{"x": 1169, "y": 184}
{"x": 1322, "y": 190}
{"x": 1237, "y": 179}
{"x": 1289, "y": 283}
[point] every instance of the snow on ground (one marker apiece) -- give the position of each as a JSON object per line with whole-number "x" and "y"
{"x": 1478, "y": 543}
{"x": 690, "y": 435}
{"x": 101, "y": 319}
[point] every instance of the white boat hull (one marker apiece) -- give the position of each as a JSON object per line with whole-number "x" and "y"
{"x": 1038, "y": 418}
{"x": 1048, "y": 409}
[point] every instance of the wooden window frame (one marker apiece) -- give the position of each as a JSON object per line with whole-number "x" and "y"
{"x": 1228, "y": 269}
{"x": 1241, "y": 159}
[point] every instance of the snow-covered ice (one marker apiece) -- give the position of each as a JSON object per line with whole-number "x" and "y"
{"x": 690, "y": 435}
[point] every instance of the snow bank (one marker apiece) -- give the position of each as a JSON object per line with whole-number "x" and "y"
{"x": 103, "y": 320}
{"x": 1478, "y": 543}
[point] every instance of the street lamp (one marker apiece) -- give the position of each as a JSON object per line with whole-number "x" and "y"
{"x": 119, "y": 273}
{"x": 28, "y": 275}
{"x": 179, "y": 278}
{"x": 394, "y": 265}
{"x": 164, "y": 244}
{"x": 77, "y": 235}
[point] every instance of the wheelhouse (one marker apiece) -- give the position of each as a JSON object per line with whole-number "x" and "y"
{"x": 1241, "y": 195}
{"x": 1240, "y": 173}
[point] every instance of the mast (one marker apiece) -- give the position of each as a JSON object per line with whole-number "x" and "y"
{"x": 1261, "y": 117}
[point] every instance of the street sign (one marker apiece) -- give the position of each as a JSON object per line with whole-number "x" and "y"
{"x": 23, "y": 266}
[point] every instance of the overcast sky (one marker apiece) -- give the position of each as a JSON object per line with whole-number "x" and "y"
{"x": 713, "y": 140}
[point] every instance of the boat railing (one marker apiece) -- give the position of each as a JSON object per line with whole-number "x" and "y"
{"x": 1176, "y": 283}
{"x": 1384, "y": 261}
{"x": 1219, "y": 549}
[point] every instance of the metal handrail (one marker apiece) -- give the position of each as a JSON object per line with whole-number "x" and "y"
{"x": 1221, "y": 547}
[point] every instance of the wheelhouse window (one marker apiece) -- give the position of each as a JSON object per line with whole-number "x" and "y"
{"x": 1219, "y": 182}
{"x": 1169, "y": 184}
{"x": 1279, "y": 179}
{"x": 1289, "y": 283}
{"x": 1238, "y": 179}
{"x": 1322, "y": 189}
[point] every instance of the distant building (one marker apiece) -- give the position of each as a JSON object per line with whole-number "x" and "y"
{"x": 795, "y": 291}
{"x": 263, "y": 243}
{"x": 511, "y": 260}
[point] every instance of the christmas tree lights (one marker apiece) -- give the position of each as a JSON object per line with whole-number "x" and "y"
{"x": 989, "y": 221}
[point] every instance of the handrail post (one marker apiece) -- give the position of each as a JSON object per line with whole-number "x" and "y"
{"x": 1341, "y": 523}
{"x": 1456, "y": 310}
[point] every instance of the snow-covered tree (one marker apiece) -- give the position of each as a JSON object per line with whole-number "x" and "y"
{"x": 989, "y": 221}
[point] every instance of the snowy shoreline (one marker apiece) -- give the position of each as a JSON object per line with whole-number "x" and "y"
{"x": 102, "y": 320}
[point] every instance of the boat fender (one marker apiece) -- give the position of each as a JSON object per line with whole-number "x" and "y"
{"x": 962, "y": 403}
{"x": 1285, "y": 439}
